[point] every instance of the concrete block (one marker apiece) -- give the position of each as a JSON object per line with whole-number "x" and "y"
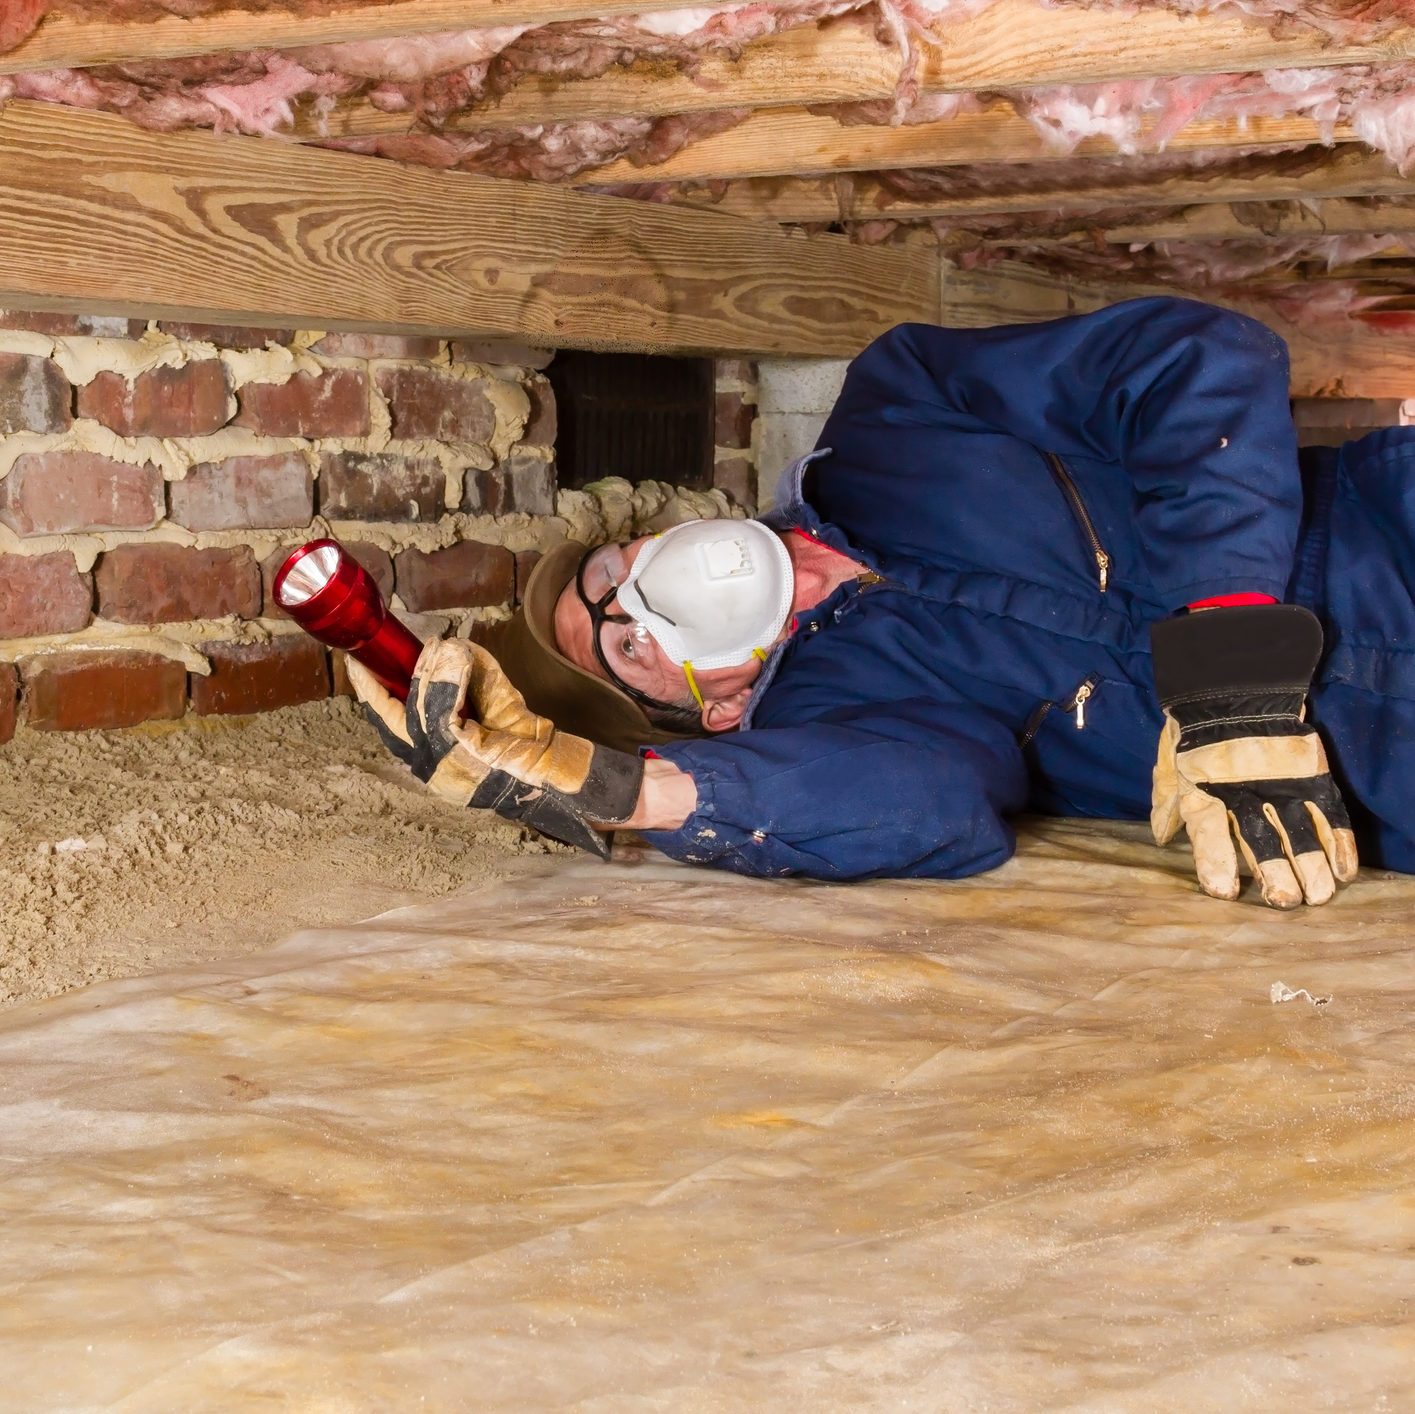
{"x": 781, "y": 438}
{"x": 800, "y": 384}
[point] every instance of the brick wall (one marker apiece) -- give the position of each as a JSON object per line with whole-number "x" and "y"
{"x": 153, "y": 477}
{"x": 735, "y": 468}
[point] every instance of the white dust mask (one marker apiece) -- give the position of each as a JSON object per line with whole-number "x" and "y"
{"x": 711, "y": 592}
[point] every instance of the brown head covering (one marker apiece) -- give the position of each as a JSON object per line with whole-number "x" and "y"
{"x": 575, "y": 700}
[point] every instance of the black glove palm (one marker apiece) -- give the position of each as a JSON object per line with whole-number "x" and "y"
{"x": 1237, "y": 762}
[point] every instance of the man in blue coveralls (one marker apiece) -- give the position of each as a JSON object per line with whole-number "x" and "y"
{"x": 1076, "y": 568}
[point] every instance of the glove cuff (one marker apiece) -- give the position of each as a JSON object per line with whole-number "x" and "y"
{"x": 1269, "y": 652}
{"x": 610, "y": 794}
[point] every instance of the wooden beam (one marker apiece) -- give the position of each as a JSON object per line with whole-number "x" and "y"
{"x": 1260, "y": 221}
{"x": 96, "y": 214}
{"x": 1347, "y": 171}
{"x": 1330, "y": 358}
{"x": 61, "y": 42}
{"x": 1015, "y": 43}
{"x": 1019, "y": 44}
{"x": 841, "y": 62}
{"x": 1012, "y": 44}
{"x": 793, "y": 142}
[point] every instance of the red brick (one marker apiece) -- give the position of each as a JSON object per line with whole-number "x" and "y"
{"x": 9, "y": 700}
{"x": 168, "y": 402}
{"x": 521, "y": 483}
{"x": 73, "y": 692}
{"x": 68, "y": 326}
{"x": 376, "y": 346}
{"x": 259, "y": 677}
{"x": 428, "y": 405}
{"x": 59, "y": 493}
{"x": 734, "y": 421}
{"x": 158, "y": 584}
{"x": 42, "y": 594}
{"x": 34, "y": 395}
{"x": 228, "y": 336}
{"x": 500, "y": 353}
{"x": 738, "y": 478}
{"x": 379, "y": 563}
{"x": 245, "y": 493}
{"x": 466, "y": 576}
{"x": 526, "y": 561}
{"x": 379, "y": 486}
{"x": 737, "y": 370}
{"x": 541, "y": 426}
{"x": 333, "y": 403}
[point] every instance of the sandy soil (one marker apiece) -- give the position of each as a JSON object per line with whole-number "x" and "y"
{"x": 125, "y": 852}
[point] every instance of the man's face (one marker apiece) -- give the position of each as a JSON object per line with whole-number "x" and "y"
{"x": 631, "y": 651}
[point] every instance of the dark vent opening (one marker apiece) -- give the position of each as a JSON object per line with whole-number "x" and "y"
{"x": 639, "y": 416}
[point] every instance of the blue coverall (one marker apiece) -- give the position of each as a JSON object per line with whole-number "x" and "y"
{"x": 1034, "y": 497}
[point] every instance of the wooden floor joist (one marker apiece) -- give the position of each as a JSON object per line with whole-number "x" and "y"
{"x": 99, "y": 216}
{"x": 1345, "y": 171}
{"x": 1258, "y": 221}
{"x": 64, "y": 43}
{"x": 792, "y": 142}
{"x": 840, "y": 63}
{"x": 1013, "y": 44}
{"x": 1331, "y": 358}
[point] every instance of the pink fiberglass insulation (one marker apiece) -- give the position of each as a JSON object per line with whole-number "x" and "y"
{"x": 1221, "y": 269}
{"x": 18, "y": 20}
{"x": 432, "y": 77}
{"x": 1342, "y": 19}
{"x": 1379, "y": 103}
{"x": 1112, "y": 179}
{"x": 551, "y": 152}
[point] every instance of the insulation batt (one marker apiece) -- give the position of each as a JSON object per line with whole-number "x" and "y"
{"x": 1222, "y": 269}
{"x": 1341, "y": 19}
{"x": 1148, "y": 113}
{"x": 552, "y": 152}
{"x": 1100, "y": 174}
{"x": 431, "y": 77}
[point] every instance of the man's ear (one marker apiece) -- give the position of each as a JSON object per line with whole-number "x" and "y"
{"x": 723, "y": 714}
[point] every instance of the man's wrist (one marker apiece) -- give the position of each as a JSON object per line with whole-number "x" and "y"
{"x": 667, "y": 797}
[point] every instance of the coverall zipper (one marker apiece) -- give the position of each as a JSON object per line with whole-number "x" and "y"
{"x": 1077, "y": 704}
{"x": 1078, "y": 508}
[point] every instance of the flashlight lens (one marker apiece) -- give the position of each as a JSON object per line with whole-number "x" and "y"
{"x": 308, "y": 575}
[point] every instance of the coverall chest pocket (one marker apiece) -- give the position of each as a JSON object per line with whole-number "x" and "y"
{"x": 1090, "y": 536}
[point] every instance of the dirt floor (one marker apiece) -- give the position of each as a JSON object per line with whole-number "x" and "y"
{"x": 124, "y": 852}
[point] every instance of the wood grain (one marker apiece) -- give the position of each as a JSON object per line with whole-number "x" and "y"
{"x": 792, "y": 142}
{"x": 1013, "y": 44}
{"x": 98, "y": 215}
{"x": 1345, "y": 171}
{"x": 1258, "y": 221}
{"x": 61, "y": 42}
{"x": 842, "y": 61}
{"x": 1330, "y": 359}
{"x": 1020, "y": 44}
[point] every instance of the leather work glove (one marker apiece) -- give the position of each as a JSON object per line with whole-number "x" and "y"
{"x": 1237, "y": 762}
{"x": 468, "y": 733}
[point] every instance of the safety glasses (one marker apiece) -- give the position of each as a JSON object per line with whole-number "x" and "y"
{"x": 615, "y": 635}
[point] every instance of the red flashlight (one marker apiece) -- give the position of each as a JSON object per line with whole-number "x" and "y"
{"x": 333, "y": 597}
